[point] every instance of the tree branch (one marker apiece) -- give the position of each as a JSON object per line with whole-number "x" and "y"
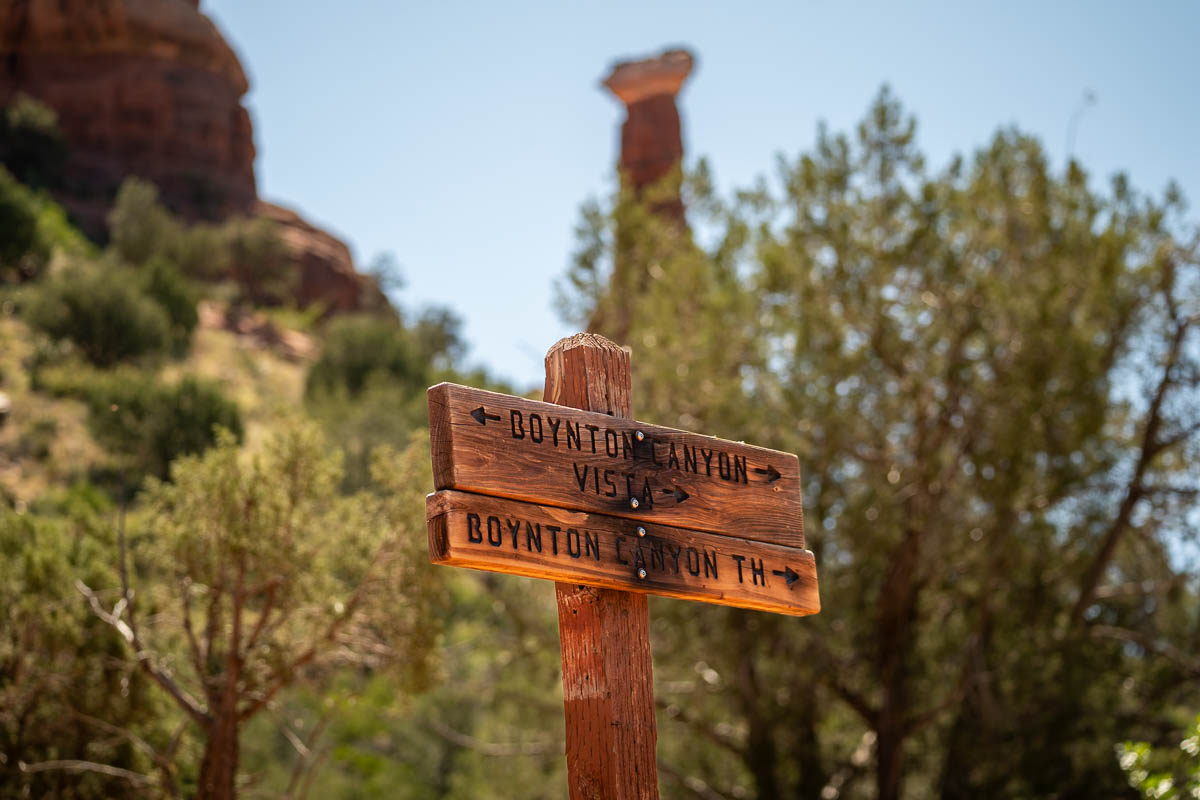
{"x": 75, "y": 765}
{"x": 679, "y": 715}
{"x": 1150, "y": 447}
{"x": 180, "y": 695}
{"x": 493, "y": 749}
{"x": 695, "y": 786}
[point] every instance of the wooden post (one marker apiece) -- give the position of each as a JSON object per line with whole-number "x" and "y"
{"x": 608, "y": 681}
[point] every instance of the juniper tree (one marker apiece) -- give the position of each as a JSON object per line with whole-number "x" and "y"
{"x": 990, "y": 374}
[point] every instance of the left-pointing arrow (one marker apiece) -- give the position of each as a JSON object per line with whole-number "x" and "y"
{"x": 482, "y": 416}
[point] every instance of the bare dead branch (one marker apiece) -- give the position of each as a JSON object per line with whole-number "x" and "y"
{"x": 692, "y": 784}
{"x": 501, "y": 750}
{"x": 180, "y": 695}
{"x": 162, "y": 762}
{"x": 679, "y": 715}
{"x": 1189, "y": 663}
{"x": 75, "y": 765}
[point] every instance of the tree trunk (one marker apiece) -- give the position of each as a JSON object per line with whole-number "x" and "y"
{"x": 897, "y": 611}
{"x": 219, "y": 767}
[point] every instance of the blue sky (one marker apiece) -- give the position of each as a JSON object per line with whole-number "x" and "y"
{"x": 462, "y": 137}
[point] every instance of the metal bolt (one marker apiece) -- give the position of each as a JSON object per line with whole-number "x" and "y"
{"x": 639, "y": 436}
{"x": 641, "y": 531}
{"x": 633, "y": 502}
{"x": 641, "y": 573}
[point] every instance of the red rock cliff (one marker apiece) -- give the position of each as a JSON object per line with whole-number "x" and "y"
{"x": 141, "y": 87}
{"x": 151, "y": 88}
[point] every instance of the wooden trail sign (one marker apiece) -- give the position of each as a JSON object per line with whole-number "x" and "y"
{"x": 612, "y": 510}
{"x": 491, "y": 533}
{"x": 511, "y": 447}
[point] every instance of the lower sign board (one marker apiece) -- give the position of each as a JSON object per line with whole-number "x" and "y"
{"x": 502, "y": 535}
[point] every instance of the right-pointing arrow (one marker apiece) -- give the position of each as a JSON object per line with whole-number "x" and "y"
{"x": 788, "y": 574}
{"x": 679, "y": 494}
{"x": 771, "y": 473}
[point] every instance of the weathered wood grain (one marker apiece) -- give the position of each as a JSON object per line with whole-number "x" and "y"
{"x": 544, "y": 453}
{"x": 491, "y": 533}
{"x": 608, "y": 675}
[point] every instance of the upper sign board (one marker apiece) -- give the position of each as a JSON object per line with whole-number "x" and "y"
{"x": 505, "y": 446}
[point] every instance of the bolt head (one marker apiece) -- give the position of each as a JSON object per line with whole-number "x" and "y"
{"x": 641, "y": 531}
{"x": 639, "y": 436}
{"x": 642, "y": 573}
{"x": 633, "y": 502}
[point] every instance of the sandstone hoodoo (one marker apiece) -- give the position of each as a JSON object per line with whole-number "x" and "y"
{"x": 651, "y": 137}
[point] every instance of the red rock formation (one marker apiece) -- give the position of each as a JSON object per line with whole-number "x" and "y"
{"x": 651, "y": 138}
{"x": 151, "y": 88}
{"x": 327, "y": 273}
{"x": 141, "y": 87}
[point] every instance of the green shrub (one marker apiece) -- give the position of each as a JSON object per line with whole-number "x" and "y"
{"x": 360, "y": 348}
{"x": 23, "y": 252}
{"x": 103, "y": 313}
{"x": 151, "y": 423}
{"x": 139, "y": 227}
{"x": 259, "y": 263}
{"x": 164, "y": 284}
{"x": 31, "y": 144}
{"x": 37, "y": 438}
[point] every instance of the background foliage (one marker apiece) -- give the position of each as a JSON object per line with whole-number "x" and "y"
{"x": 988, "y": 368}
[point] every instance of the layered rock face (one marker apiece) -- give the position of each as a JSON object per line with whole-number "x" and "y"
{"x": 141, "y": 87}
{"x": 651, "y": 136}
{"x": 327, "y": 273}
{"x": 151, "y": 88}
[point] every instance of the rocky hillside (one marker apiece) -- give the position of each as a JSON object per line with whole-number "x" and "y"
{"x": 150, "y": 88}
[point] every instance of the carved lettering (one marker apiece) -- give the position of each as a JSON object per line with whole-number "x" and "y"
{"x": 533, "y": 536}
{"x": 535, "y": 428}
{"x": 495, "y": 532}
{"x": 676, "y": 552}
{"x": 474, "y": 532}
{"x": 573, "y": 549}
{"x": 739, "y": 560}
{"x": 517, "y": 420}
